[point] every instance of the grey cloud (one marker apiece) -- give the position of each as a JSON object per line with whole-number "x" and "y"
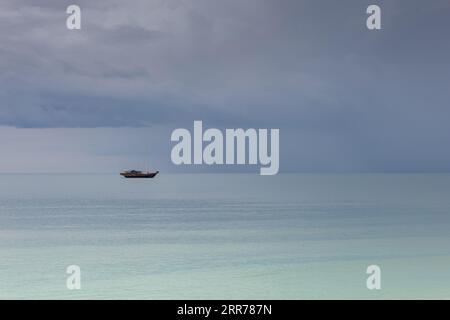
{"x": 310, "y": 68}
{"x": 128, "y": 34}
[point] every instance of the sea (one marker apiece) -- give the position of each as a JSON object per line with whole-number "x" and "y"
{"x": 225, "y": 236}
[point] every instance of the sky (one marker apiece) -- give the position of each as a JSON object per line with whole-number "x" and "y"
{"x": 108, "y": 96}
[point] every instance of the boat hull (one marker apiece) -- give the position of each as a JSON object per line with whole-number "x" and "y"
{"x": 141, "y": 175}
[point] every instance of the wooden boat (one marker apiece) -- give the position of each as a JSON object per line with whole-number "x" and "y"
{"x": 138, "y": 174}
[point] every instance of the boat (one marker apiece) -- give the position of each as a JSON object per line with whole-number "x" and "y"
{"x": 138, "y": 174}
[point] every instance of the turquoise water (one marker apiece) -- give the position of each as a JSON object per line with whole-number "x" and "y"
{"x": 225, "y": 236}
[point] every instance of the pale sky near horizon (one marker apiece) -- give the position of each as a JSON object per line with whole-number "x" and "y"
{"x": 106, "y": 97}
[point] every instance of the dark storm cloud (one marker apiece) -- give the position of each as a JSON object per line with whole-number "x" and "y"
{"x": 362, "y": 99}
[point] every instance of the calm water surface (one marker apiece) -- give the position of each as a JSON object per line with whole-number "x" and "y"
{"x": 225, "y": 236}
